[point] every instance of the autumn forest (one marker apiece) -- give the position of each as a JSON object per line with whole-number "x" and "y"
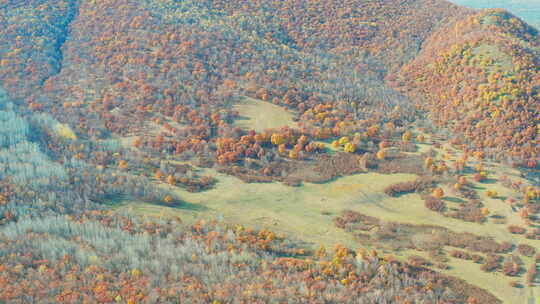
{"x": 268, "y": 151}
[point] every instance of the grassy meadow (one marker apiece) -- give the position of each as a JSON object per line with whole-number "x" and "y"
{"x": 306, "y": 212}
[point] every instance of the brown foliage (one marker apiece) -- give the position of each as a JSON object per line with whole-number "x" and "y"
{"x": 526, "y": 250}
{"x": 402, "y": 163}
{"x": 433, "y": 203}
{"x": 418, "y": 261}
{"x": 511, "y": 266}
{"x": 531, "y": 274}
{"x": 516, "y": 229}
{"x": 533, "y": 234}
{"x": 478, "y": 259}
{"x": 514, "y": 284}
{"x": 337, "y": 165}
{"x": 460, "y": 254}
{"x": 492, "y": 263}
{"x": 367, "y": 161}
{"x": 469, "y": 211}
{"x": 418, "y": 185}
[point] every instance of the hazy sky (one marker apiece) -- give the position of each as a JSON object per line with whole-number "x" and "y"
{"x": 528, "y": 10}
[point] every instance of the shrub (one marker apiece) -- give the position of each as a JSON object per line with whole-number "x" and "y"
{"x": 511, "y": 266}
{"x": 516, "y": 229}
{"x": 533, "y": 234}
{"x": 442, "y": 266}
{"x": 418, "y": 261}
{"x": 478, "y": 259}
{"x": 515, "y": 284}
{"x": 434, "y": 204}
{"x": 526, "y": 250}
{"x": 458, "y": 254}
{"x": 492, "y": 263}
{"x": 506, "y": 247}
{"x": 531, "y": 274}
{"x": 400, "y": 188}
{"x": 533, "y": 208}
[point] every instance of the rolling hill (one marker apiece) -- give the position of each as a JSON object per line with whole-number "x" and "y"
{"x": 201, "y": 151}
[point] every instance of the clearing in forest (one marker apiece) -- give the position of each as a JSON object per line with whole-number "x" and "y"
{"x": 260, "y": 115}
{"x": 307, "y": 213}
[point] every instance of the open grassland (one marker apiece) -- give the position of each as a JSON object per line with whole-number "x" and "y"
{"x": 307, "y": 213}
{"x": 259, "y": 115}
{"x": 496, "y": 283}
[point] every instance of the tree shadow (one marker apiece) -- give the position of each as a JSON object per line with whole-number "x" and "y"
{"x": 192, "y": 207}
{"x": 475, "y": 187}
{"x": 119, "y": 200}
{"x": 454, "y": 200}
{"x": 489, "y": 181}
{"x": 110, "y": 200}
{"x": 467, "y": 170}
{"x": 240, "y": 117}
{"x": 497, "y": 216}
{"x": 181, "y": 205}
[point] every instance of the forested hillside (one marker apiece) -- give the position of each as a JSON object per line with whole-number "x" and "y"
{"x": 110, "y": 104}
{"x": 481, "y": 79}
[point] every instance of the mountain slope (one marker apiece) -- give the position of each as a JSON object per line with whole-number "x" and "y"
{"x": 116, "y": 102}
{"x": 480, "y": 77}
{"x": 32, "y": 36}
